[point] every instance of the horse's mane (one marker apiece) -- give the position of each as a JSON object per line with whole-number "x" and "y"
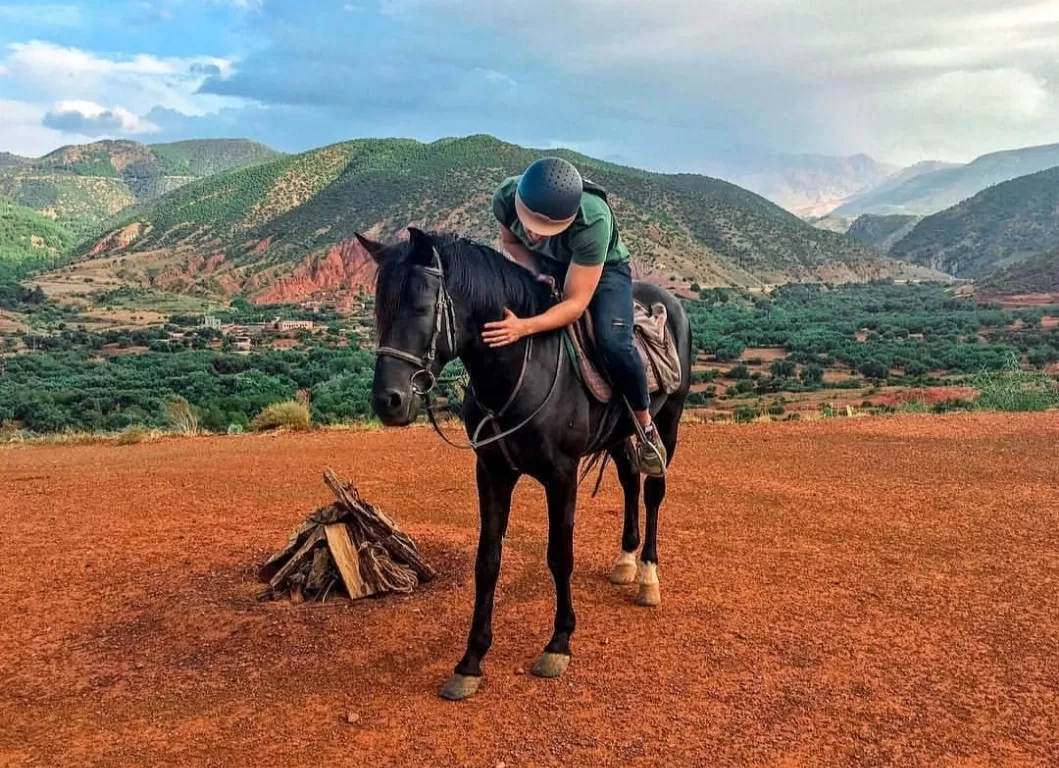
{"x": 479, "y": 277}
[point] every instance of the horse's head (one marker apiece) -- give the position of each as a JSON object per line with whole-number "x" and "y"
{"x": 415, "y": 323}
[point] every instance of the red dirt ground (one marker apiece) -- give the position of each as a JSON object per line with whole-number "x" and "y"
{"x": 843, "y": 592}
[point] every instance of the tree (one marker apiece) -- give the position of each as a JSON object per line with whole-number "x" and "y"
{"x": 1042, "y": 355}
{"x": 873, "y": 369}
{"x": 782, "y": 369}
{"x": 812, "y": 375}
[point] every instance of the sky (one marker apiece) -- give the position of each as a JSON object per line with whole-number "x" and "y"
{"x": 672, "y": 85}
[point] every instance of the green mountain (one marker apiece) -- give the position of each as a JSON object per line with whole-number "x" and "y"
{"x": 881, "y": 232}
{"x": 7, "y": 160}
{"x": 81, "y": 186}
{"x": 935, "y": 191}
{"x": 996, "y": 227}
{"x": 283, "y": 230}
{"x": 1037, "y": 274}
{"x": 205, "y": 157}
{"x": 28, "y": 239}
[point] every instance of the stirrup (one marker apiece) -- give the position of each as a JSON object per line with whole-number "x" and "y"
{"x": 641, "y": 434}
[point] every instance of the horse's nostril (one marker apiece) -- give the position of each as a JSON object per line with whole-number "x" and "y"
{"x": 394, "y": 399}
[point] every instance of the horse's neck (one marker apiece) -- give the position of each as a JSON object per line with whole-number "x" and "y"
{"x": 495, "y": 373}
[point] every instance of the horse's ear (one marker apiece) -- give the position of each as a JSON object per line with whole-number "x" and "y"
{"x": 422, "y": 246}
{"x": 373, "y": 248}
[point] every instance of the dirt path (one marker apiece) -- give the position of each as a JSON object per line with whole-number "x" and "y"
{"x": 851, "y": 592}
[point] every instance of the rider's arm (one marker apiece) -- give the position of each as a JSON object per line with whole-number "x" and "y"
{"x": 581, "y": 282}
{"x": 517, "y": 251}
{"x": 589, "y": 252}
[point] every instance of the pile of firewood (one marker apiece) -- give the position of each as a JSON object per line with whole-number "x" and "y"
{"x": 348, "y": 546}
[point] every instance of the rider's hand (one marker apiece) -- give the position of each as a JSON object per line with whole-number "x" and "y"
{"x": 500, "y": 333}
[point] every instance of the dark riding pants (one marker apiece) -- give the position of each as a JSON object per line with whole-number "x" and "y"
{"x": 611, "y": 309}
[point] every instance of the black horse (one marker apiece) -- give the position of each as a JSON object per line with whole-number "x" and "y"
{"x": 526, "y": 413}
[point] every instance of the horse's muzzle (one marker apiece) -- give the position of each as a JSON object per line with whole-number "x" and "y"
{"x": 394, "y": 407}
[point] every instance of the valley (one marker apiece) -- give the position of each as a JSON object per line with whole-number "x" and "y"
{"x": 245, "y": 287}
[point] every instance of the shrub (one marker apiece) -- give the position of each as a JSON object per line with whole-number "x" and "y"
{"x": 133, "y": 434}
{"x": 745, "y": 413}
{"x": 739, "y": 372}
{"x": 289, "y": 415}
{"x": 181, "y": 416}
{"x": 1013, "y": 389}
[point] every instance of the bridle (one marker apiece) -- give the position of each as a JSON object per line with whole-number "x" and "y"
{"x": 445, "y": 320}
{"x": 444, "y": 315}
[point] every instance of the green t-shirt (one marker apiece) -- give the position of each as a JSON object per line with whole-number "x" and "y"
{"x": 592, "y": 239}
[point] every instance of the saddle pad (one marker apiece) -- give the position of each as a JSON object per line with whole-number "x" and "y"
{"x": 651, "y": 338}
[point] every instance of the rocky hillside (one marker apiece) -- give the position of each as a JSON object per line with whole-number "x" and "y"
{"x": 999, "y": 226}
{"x": 880, "y": 233}
{"x": 82, "y": 186}
{"x": 283, "y": 230}
{"x": 1037, "y": 274}
{"x": 937, "y": 190}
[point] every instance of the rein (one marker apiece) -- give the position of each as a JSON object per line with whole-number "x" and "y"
{"x": 445, "y": 318}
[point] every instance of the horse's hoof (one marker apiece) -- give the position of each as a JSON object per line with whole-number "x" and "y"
{"x": 649, "y": 596}
{"x": 460, "y": 687}
{"x": 551, "y": 665}
{"x": 623, "y": 572}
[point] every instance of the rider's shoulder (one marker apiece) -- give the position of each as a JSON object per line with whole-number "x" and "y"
{"x": 507, "y": 187}
{"x": 594, "y": 211}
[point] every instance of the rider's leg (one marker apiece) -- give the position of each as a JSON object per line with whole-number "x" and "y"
{"x": 612, "y": 317}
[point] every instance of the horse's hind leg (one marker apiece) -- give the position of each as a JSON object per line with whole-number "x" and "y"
{"x": 494, "y": 501}
{"x": 624, "y": 568}
{"x": 667, "y": 421}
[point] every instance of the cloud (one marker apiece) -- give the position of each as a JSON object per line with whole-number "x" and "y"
{"x": 672, "y": 84}
{"x": 42, "y": 70}
{"x": 90, "y": 119}
{"x": 820, "y": 75}
{"x": 23, "y": 134}
{"x": 41, "y": 14}
{"x": 74, "y": 94}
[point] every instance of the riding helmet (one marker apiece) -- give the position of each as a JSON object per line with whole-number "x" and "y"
{"x": 548, "y": 196}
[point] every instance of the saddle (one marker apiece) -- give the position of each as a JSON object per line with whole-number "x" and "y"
{"x": 650, "y": 337}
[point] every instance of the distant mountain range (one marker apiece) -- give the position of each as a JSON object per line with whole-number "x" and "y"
{"x": 227, "y": 218}
{"x": 283, "y": 230}
{"x": 80, "y": 186}
{"x": 925, "y": 193}
{"x": 808, "y": 185}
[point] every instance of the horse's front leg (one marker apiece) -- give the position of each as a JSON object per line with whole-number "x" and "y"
{"x": 495, "y": 486}
{"x": 562, "y": 499}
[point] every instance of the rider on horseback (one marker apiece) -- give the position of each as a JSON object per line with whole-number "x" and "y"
{"x": 558, "y": 227}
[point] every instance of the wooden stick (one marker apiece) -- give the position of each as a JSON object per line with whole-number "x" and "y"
{"x": 297, "y": 559}
{"x": 346, "y": 559}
